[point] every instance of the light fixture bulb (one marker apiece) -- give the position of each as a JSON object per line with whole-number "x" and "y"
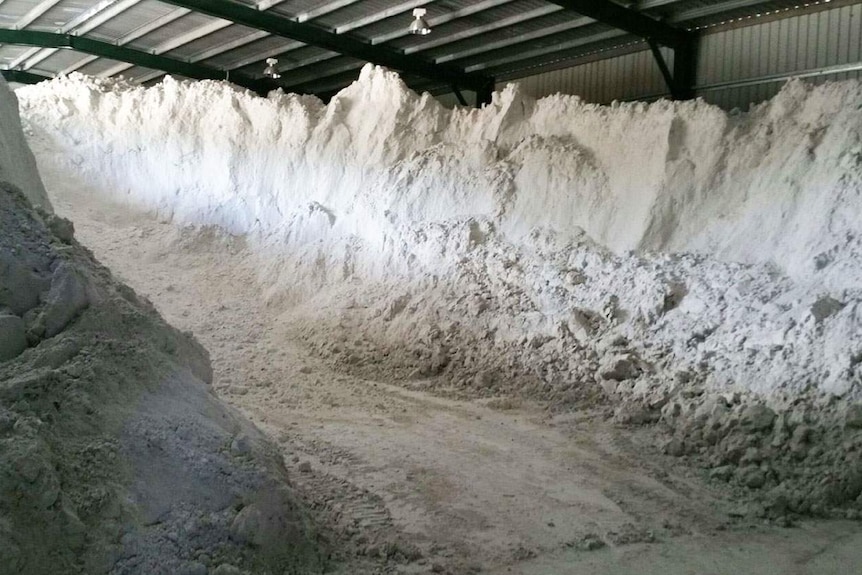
{"x": 270, "y": 71}
{"x": 419, "y": 25}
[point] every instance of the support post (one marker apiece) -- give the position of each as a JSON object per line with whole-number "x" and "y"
{"x": 484, "y": 93}
{"x": 681, "y": 81}
{"x": 459, "y": 95}
{"x": 662, "y": 65}
{"x": 685, "y": 68}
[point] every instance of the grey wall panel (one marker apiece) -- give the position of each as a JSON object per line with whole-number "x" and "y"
{"x": 756, "y": 53}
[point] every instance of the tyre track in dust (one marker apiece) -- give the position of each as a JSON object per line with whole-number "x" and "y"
{"x": 406, "y": 482}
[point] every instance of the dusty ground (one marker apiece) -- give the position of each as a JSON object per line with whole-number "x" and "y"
{"x": 407, "y": 482}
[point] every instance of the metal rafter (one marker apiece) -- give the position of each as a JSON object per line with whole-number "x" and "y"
{"x": 213, "y": 51}
{"x": 541, "y": 51}
{"x": 123, "y": 54}
{"x": 399, "y": 33}
{"x": 302, "y": 17}
{"x": 259, "y": 34}
{"x": 35, "y": 13}
{"x": 176, "y": 42}
{"x": 323, "y": 10}
{"x": 22, "y": 77}
{"x": 93, "y": 23}
{"x": 484, "y": 29}
{"x": 650, "y": 4}
{"x": 381, "y": 15}
{"x": 629, "y": 20}
{"x": 153, "y": 25}
{"x": 514, "y": 41}
{"x": 317, "y": 13}
{"x": 342, "y": 44}
{"x": 704, "y": 11}
{"x": 466, "y": 52}
{"x": 301, "y": 77}
{"x": 655, "y": 32}
{"x": 443, "y": 19}
{"x": 82, "y": 24}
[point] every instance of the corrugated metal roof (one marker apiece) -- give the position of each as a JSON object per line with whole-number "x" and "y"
{"x": 502, "y": 38}
{"x": 57, "y": 62}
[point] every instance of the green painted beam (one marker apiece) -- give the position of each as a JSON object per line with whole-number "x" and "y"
{"x": 129, "y": 55}
{"x": 22, "y": 77}
{"x": 339, "y": 43}
{"x": 655, "y": 32}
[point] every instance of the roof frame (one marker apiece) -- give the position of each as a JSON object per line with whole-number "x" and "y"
{"x": 299, "y": 77}
{"x": 115, "y": 10}
{"x": 35, "y": 13}
{"x": 316, "y": 13}
{"x": 655, "y": 32}
{"x": 301, "y": 81}
{"x": 629, "y": 20}
{"x": 176, "y": 41}
{"x": 315, "y": 36}
{"x": 92, "y": 18}
{"x": 22, "y": 77}
{"x": 123, "y": 54}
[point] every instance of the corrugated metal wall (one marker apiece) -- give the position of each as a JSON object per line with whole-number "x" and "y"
{"x": 737, "y": 66}
{"x": 628, "y": 77}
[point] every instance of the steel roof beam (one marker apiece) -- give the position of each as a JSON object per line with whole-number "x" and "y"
{"x": 22, "y": 77}
{"x": 97, "y": 21}
{"x": 176, "y": 42}
{"x": 322, "y": 11}
{"x": 443, "y": 19}
{"x": 300, "y": 77}
{"x": 505, "y": 43}
{"x": 138, "y": 33}
{"x": 19, "y": 61}
{"x": 314, "y": 36}
{"x": 228, "y": 46}
{"x": 261, "y": 56}
{"x": 478, "y": 30}
{"x": 694, "y": 13}
{"x": 152, "y": 26}
{"x": 123, "y": 54}
{"x": 399, "y": 33}
{"x": 629, "y": 20}
{"x": 544, "y": 50}
{"x": 382, "y": 15}
{"x": 650, "y": 4}
{"x": 35, "y": 13}
{"x": 655, "y": 32}
{"x": 82, "y": 24}
{"x": 464, "y": 53}
{"x": 258, "y": 35}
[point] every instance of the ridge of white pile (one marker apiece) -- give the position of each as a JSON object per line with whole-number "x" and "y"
{"x": 751, "y": 219}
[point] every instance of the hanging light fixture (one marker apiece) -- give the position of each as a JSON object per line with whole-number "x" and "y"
{"x": 420, "y": 24}
{"x": 270, "y": 71}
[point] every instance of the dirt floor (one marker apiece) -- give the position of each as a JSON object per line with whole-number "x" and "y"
{"x": 405, "y": 482}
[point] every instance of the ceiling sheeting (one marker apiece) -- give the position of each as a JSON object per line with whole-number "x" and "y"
{"x": 471, "y": 39}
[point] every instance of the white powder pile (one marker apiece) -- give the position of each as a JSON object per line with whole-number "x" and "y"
{"x": 115, "y": 454}
{"x": 546, "y": 231}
